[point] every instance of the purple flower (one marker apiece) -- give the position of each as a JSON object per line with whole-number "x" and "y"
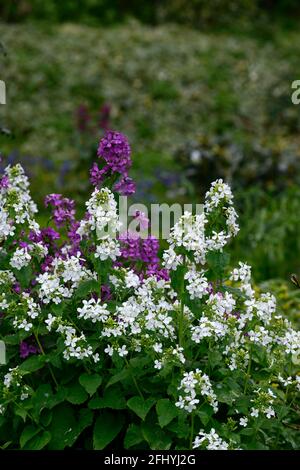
{"x": 4, "y": 182}
{"x": 105, "y": 293}
{"x": 64, "y": 208}
{"x": 125, "y": 187}
{"x": 45, "y": 235}
{"x": 53, "y": 200}
{"x": 27, "y": 349}
{"x": 17, "y": 288}
{"x": 142, "y": 219}
{"x": 97, "y": 175}
{"x": 135, "y": 249}
{"x": 72, "y": 233}
{"x": 114, "y": 148}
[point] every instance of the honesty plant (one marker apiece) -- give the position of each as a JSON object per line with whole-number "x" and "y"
{"x": 108, "y": 342}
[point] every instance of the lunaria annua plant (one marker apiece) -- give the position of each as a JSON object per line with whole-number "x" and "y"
{"x": 108, "y": 344}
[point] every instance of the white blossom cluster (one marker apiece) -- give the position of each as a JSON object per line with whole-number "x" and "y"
{"x": 30, "y": 311}
{"x": 13, "y": 380}
{"x": 210, "y": 441}
{"x": 23, "y": 256}
{"x": 102, "y": 218}
{"x": 194, "y": 384}
{"x": 93, "y": 310}
{"x": 7, "y": 278}
{"x": 123, "y": 278}
{"x": 17, "y": 209}
{"x": 154, "y": 317}
{"x": 263, "y": 403}
{"x": 62, "y": 279}
{"x": 193, "y": 233}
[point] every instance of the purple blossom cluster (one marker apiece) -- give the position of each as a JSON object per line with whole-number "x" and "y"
{"x": 4, "y": 182}
{"x": 136, "y": 250}
{"x": 64, "y": 208}
{"x": 26, "y": 349}
{"x": 115, "y": 150}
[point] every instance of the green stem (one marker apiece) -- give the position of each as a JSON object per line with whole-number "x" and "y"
{"x": 248, "y": 371}
{"x": 43, "y": 352}
{"x": 134, "y": 379}
{"x": 181, "y": 313}
{"x": 192, "y": 431}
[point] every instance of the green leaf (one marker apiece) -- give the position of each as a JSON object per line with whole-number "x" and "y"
{"x": 24, "y": 275}
{"x": 214, "y": 358}
{"x": 107, "y": 427}
{"x": 90, "y": 382}
{"x": 166, "y": 411}
{"x": 20, "y": 412}
{"x": 112, "y": 398}
{"x": 86, "y": 287}
{"x": 85, "y": 419}
{"x": 156, "y": 437}
{"x": 46, "y": 417}
{"x": 177, "y": 277}
{"x": 41, "y": 398}
{"x": 33, "y": 363}
{"x": 76, "y": 394}
{"x": 133, "y": 436}
{"x": 140, "y": 406}
{"x": 27, "y": 433}
{"x": 205, "y": 413}
{"x": 205, "y": 418}
{"x": 38, "y": 442}
{"x": 119, "y": 377}
{"x": 62, "y": 427}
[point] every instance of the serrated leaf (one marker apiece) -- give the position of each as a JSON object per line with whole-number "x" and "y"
{"x": 133, "y": 436}
{"x": 166, "y": 411}
{"x": 90, "y": 382}
{"x": 106, "y": 429}
{"x": 140, "y": 406}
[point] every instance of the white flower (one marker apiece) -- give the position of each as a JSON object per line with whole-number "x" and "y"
{"x": 93, "y": 310}
{"x": 254, "y": 412}
{"x": 243, "y": 421}
{"x": 20, "y": 258}
{"x": 210, "y": 441}
{"x": 50, "y": 320}
{"x": 122, "y": 351}
{"x": 109, "y": 350}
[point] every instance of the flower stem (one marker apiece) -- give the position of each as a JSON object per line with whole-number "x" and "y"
{"x": 248, "y": 371}
{"x": 181, "y": 313}
{"x": 43, "y": 352}
{"x": 134, "y": 379}
{"x": 192, "y": 431}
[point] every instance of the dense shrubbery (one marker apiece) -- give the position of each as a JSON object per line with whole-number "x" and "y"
{"x": 107, "y": 347}
{"x": 200, "y": 13}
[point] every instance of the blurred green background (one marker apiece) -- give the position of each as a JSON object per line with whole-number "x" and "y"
{"x": 201, "y": 88}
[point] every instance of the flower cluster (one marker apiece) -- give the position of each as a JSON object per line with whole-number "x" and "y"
{"x": 115, "y": 150}
{"x": 81, "y": 305}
